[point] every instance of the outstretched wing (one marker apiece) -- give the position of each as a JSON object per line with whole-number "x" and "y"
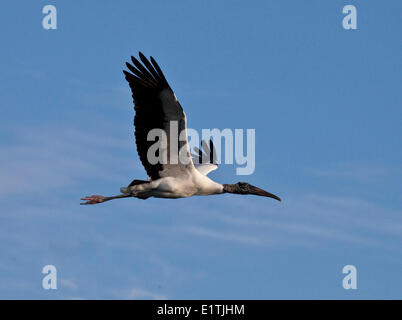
{"x": 156, "y": 107}
{"x": 205, "y": 160}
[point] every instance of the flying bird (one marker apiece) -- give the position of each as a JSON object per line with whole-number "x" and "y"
{"x": 156, "y": 106}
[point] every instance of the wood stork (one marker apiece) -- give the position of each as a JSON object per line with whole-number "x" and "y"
{"x": 156, "y": 106}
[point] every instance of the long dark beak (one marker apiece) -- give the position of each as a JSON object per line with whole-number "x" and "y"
{"x": 263, "y": 193}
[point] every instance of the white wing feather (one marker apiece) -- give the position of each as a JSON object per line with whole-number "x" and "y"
{"x": 206, "y": 168}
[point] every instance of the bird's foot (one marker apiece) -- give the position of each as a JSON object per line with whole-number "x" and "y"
{"x": 93, "y": 199}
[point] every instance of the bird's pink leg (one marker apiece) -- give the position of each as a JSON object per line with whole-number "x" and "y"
{"x": 93, "y": 199}
{"x": 99, "y": 199}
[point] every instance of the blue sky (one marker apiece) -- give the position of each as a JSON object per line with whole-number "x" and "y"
{"x": 326, "y": 106}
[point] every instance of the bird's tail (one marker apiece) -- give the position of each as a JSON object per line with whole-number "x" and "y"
{"x": 135, "y": 182}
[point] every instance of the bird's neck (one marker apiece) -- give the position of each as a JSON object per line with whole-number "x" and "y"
{"x": 230, "y": 188}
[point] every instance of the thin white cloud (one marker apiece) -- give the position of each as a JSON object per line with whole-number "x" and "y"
{"x": 247, "y": 239}
{"x": 141, "y": 294}
{"x": 309, "y": 220}
{"x": 49, "y": 159}
{"x": 68, "y": 283}
{"x": 356, "y": 171}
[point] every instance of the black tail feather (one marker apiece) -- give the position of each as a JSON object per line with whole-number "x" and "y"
{"x": 137, "y": 182}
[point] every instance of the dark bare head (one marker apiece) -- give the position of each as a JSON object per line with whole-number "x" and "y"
{"x": 245, "y": 188}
